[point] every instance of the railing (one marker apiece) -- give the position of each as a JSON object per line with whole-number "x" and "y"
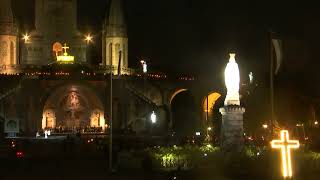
{"x": 7, "y": 93}
{"x": 114, "y": 69}
{"x": 141, "y": 95}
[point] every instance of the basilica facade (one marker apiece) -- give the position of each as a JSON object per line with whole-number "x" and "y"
{"x": 55, "y": 22}
{"x": 47, "y": 81}
{"x": 71, "y": 102}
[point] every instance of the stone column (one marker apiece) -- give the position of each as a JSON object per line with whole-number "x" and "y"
{"x": 232, "y": 138}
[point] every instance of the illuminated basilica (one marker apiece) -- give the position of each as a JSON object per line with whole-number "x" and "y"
{"x": 47, "y": 81}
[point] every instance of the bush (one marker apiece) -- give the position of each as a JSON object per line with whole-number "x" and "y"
{"x": 186, "y": 157}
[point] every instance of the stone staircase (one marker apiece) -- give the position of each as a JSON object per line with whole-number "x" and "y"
{"x": 11, "y": 85}
{"x": 9, "y": 92}
{"x": 141, "y": 95}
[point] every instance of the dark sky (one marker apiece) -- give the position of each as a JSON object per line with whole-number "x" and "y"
{"x": 195, "y": 36}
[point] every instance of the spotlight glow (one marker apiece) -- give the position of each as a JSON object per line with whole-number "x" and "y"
{"x": 26, "y": 38}
{"x": 88, "y": 38}
{"x": 153, "y": 117}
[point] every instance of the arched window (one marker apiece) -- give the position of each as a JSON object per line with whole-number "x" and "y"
{"x": 110, "y": 53}
{"x": 117, "y": 54}
{"x": 124, "y": 56}
{"x": 12, "y": 53}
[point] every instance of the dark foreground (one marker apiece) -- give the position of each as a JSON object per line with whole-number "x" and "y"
{"x": 48, "y": 160}
{"x": 92, "y": 169}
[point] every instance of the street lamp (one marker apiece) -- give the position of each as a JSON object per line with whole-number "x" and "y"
{"x": 153, "y": 117}
{"x": 208, "y": 138}
{"x": 265, "y": 126}
{"x": 26, "y": 38}
{"x": 88, "y": 38}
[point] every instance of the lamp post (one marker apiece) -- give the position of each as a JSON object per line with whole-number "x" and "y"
{"x": 110, "y": 123}
{"x": 208, "y": 130}
{"x": 26, "y": 38}
{"x": 88, "y": 38}
{"x": 265, "y": 131}
{"x": 153, "y": 118}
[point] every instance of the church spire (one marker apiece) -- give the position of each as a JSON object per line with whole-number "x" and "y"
{"x": 5, "y": 12}
{"x": 8, "y": 36}
{"x": 115, "y": 20}
{"x": 115, "y": 39}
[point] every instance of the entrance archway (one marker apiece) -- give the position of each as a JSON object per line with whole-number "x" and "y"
{"x": 73, "y": 107}
{"x": 183, "y": 111}
{"x": 208, "y": 104}
{"x": 175, "y": 93}
{"x": 211, "y": 115}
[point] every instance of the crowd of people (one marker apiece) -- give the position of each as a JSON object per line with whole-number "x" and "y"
{"x": 74, "y": 130}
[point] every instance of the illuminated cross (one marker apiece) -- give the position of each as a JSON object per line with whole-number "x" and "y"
{"x": 285, "y": 145}
{"x": 65, "y": 47}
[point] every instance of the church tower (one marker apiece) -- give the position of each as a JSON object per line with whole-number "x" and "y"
{"x": 115, "y": 39}
{"x": 8, "y": 37}
{"x": 55, "y": 21}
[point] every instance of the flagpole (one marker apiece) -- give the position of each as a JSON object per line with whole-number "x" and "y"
{"x": 110, "y": 123}
{"x": 271, "y": 84}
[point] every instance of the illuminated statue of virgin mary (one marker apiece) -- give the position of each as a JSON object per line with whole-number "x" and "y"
{"x": 232, "y": 80}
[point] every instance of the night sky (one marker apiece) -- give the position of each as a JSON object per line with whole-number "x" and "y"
{"x": 195, "y": 37}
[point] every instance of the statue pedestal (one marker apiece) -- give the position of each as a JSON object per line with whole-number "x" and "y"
{"x": 232, "y": 138}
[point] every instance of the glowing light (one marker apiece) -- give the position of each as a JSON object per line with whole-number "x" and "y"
{"x": 26, "y": 38}
{"x": 46, "y": 134}
{"x": 232, "y": 81}
{"x": 265, "y": 126}
{"x": 19, "y": 154}
{"x": 198, "y": 133}
{"x": 251, "y": 77}
{"x": 316, "y": 123}
{"x": 285, "y": 145}
{"x": 153, "y": 117}
{"x": 65, "y": 58}
{"x": 209, "y": 128}
{"x": 88, "y": 38}
{"x": 211, "y": 98}
{"x": 144, "y": 66}
{"x": 56, "y": 48}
